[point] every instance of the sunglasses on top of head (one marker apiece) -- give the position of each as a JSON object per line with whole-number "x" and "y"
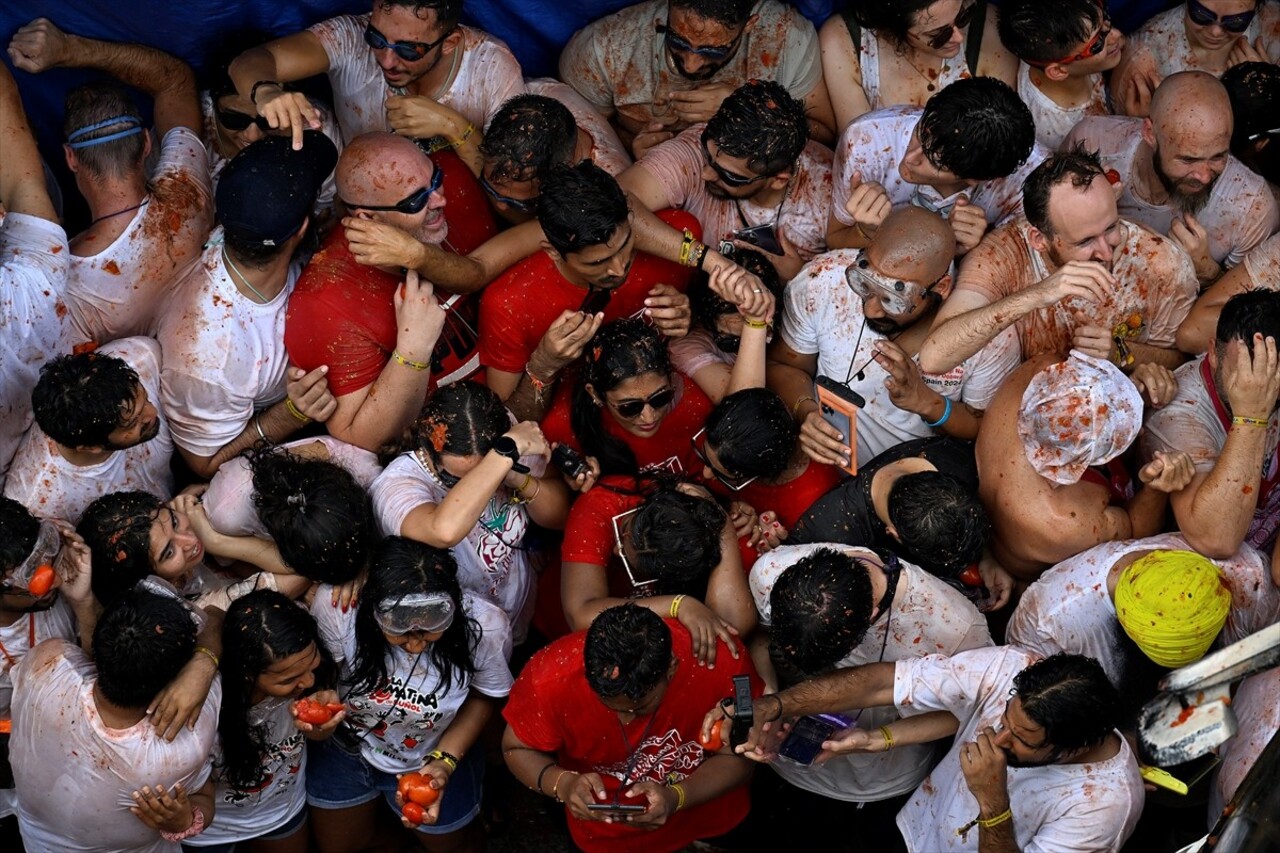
{"x": 1205, "y": 17}
{"x": 680, "y": 45}
{"x": 409, "y": 51}
{"x": 411, "y": 204}
{"x": 236, "y": 121}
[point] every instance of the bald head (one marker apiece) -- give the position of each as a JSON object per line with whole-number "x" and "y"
{"x": 381, "y": 169}
{"x": 914, "y": 243}
{"x": 1190, "y": 102}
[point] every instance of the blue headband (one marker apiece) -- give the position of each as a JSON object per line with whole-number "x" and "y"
{"x": 120, "y": 134}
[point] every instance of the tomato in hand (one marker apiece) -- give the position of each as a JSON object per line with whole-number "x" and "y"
{"x": 416, "y": 788}
{"x": 414, "y": 813}
{"x": 716, "y": 740}
{"x": 971, "y": 576}
{"x": 316, "y": 713}
{"x": 41, "y": 581}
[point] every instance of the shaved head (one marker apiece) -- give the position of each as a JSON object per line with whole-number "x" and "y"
{"x": 914, "y": 243}
{"x": 1190, "y": 102}
{"x": 1189, "y": 132}
{"x": 381, "y": 169}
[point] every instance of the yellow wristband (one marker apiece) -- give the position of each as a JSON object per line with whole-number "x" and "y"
{"x": 462, "y": 140}
{"x": 1240, "y": 420}
{"x": 679, "y": 795}
{"x": 755, "y": 324}
{"x": 205, "y": 650}
{"x": 445, "y": 758}
{"x": 888, "y": 738}
{"x": 675, "y": 606}
{"x": 412, "y": 365}
{"x": 989, "y": 822}
{"x": 686, "y": 247}
{"x": 293, "y": 410}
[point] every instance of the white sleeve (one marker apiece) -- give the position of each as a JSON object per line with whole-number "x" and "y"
{"x": 337, "y": 629}
{"x": 958, "y": 684}
{"x": 228, "y": 502}
{"x": 398, "y": 491}
{"x": 799, "y": 329}
{"x": 203, "y": 415}
{"x": 986, "y": 370}
{"x": 492, "y": 676}
{"x": 182, "y": 151}
{"x": 33, "y": 271}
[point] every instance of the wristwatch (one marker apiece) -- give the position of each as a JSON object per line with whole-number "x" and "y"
{"x": 506, "y": 446}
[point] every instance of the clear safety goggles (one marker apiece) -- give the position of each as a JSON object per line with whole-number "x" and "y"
{"x": 428, "y": 612}
{"x": 897, "y": 296}
{"x": 48, "y": 544}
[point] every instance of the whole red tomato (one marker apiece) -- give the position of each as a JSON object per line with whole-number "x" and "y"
{"x": 414, "y": 813}
{"x": 716, "y": 740}
{"x": 416, "y": 788}
{"x": 41, "y": 580}
{"x": 971, "y": 576}
{"x": 316, "y": 713}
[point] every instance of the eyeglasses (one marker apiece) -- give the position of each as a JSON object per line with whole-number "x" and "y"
{"x": 679, "y": 45}
{"x": 236, "y": 121}
{"x": 730, "y": 179}
{"x": 938, "y": 38}
{"x": 1231, "y": 23}
{"x": 525, "y": 205}
{"x": 898, "y": 296}
{"x": 1089, "y": 51}
{"x": 411, "y": 204}
{"x": 636, "y": 581}
{"x": 734, "y": 483}
{"x": 659, "y": 400}
{"x": 409, "y": 51}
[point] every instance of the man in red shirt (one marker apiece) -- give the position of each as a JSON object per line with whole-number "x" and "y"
{"x": 379, "y": 347}
{"x": 536, "y": 319}
{"x": 611, "y": 716}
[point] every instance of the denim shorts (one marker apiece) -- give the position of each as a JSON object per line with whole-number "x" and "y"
{"x": 336, "y": 779}
{"x": 284, "y": 831}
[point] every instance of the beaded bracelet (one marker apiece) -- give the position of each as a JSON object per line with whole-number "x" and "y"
{"x": 450, "y": 761}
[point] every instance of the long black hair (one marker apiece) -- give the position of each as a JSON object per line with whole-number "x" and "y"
{"x": 462, "y": 419}
{"x": 403, "y": 567}
{"x": 261, "y": 629}
{"x": 621, "y": 350}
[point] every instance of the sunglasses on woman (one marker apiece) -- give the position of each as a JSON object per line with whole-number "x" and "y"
{"x": 411, "y": 204}
{"x": 675, "y": 43}
{"x": 409, "y": 51}
{"x": 938, "y": 38}
{"x": 733, "y": 483}
{"x": 236, "y": 121}
{"x": 1204, "y": 17}
{"x": 633, "y": 408}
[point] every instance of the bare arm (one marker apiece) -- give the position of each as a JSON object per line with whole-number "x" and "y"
{"x": 276, "y": 424}
{"x": 728, "y": 594}
{"x": 1196, "y": 333}
{"x": 294, "y": 57}
{"x": 643, "y": 187}
{"x": 22, "y": 186}
{"x": 842, "y": 72}
{"x": 995, "y": 60}
{"x": 821, "y": 114}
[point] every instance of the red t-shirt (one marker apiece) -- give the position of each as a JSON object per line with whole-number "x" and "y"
{"x": 670, "y": 448}
{"x": 521, "y": 304}
{"x": 551, "y": 708}
{"x": 789, "y": 500}
{"x": 343, "y": 314}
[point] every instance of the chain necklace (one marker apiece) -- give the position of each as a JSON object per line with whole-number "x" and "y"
{"x": 243, "y": 280}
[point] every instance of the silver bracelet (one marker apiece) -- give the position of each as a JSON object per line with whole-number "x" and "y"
{"x": 257, "y": 422}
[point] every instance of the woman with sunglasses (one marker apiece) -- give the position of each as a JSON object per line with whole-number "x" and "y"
{"x": 422, "y": 668}
{"x": 1200, "y": 35}
{"x": 884, "y": 53}
{"x": 665, "y": 545}
{"x": 473, "y": 482}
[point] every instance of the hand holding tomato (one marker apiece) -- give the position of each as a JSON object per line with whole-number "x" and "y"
{"x": 418, "y": 796}
{"x": 317, "y": 716}
{"x": 713, "y": 740}
{"x": 316, "y": 713}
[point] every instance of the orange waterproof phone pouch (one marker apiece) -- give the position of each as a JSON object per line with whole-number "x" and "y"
{"x": 839, "y": 405}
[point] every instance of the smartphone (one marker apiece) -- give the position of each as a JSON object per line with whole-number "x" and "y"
{"x": 763, "y": 237}
{"x": 839, "y": 405}
{"x": 620, "y": 809}
{"x": 569, "y": 461}
{"x": 804, "y": 743}
{"x": 597, "y": 299}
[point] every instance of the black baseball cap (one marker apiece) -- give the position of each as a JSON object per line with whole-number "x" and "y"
{"x": 268, "y": 189}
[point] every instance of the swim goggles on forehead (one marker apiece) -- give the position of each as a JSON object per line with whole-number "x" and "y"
{"x": 896, "y": 295}
{"x": 48, "y": 544}
{"x": 428, "y": 612}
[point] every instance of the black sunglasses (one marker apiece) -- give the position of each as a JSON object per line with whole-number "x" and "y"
{"x": 525, "y": 205}
{"x": 632, "y": 408}
{"x": 680, "y": 45}
{"x": 937, "y": 39}
{"x": 411, "y": 204}
{"x": 409, "y": 51}
{"x": 730, "y": 179}
{"x": 236, "y": 121}
{"x": 699, "y": 449}
{"x": 1205, "y": 17}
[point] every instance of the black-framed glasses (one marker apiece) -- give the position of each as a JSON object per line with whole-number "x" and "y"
{"x": 409, "y": 51}
{"x": 618, "y": 534}
{"x": 1205, "y": 17}
{"x": 658, "y": 400}
{"x": 730, "y": 179}
{"x": 410, "y": 204}
{"x": 236, "y": 121}
{"x": 681, "y": 45}
{"x": 736, "y": 484}
{"x": 524, "y": 205}
{"x": 938, "y": 38}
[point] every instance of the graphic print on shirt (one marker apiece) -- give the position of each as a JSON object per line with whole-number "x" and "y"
{"x": 663, "y": 758}
{"x": 397, "y": 715}
{"x": 280, "y": 768}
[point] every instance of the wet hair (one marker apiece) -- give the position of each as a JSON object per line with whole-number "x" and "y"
{"x": 1078, "y": 166}
{"x": 731, "y": 13}
{"x": 97, "y": 102}
{"x": 81, "y": 399}
{"x": 402, "y": 567}
{"x": 320, "y": 518}
{"x": 1246, "y": 314}
{"x": 752, "y": 433}
{"x": 706, "y": 305}
{"x": 1070, "y": 697}
{"x": 1254, "y": 90}
{"x": 448, "y": 12}
{"x": 117, "y": 529}
{"x": 762, "y": 123}
{"x": 621, "y": 350}
{"x": 627, "y": 652}
{"x": 462, "y": 419}
{"x": 819, "y": 610}
{"x": 890, "y": 19}
{"x": 261, "y": 629}
{"x": 527, "y": 136}
{"x": 19, "y": 530}
{"x": 1034, "y": 36}
{"x": 978, "y": 129}
{"x": 941, "y": 524}
{"x": 580, "y": 206}
{"x": 141, "y": 643}
{"x": 675, "y": 537}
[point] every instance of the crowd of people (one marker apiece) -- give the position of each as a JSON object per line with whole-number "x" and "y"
{"x": 400, "y": 430}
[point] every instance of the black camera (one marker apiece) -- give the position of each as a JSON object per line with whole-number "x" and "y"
{"x": 569, "y": 461}
{"x": 743, "y": 717}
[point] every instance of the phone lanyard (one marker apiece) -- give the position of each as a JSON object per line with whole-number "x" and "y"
{"x": 777, "y": 214}
{"x": 635, "y": 754}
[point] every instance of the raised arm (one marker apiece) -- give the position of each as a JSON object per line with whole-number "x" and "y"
{"x": 22, "y": 186}
{"x": 285, "y": 60}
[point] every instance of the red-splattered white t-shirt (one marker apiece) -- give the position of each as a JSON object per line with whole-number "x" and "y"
{"x": 34, "y": 257}
{"x": 1239, "y": 214}
{"x": 487, "y": 75}
{"x": 58, "y": 621}
{"x": 43, "y": 481}
{"x": 926, "y": 617}
{"x": 223, "y": 354}
{"x": 874, "y": 144}
{"x": 115, "y": 293}
{"x": 1257, "y": 708}
{"x": 607, "y": 150}
{"x": 1054, "y": 122}
{"x": 802, "y": 216}
{"x": 1069, "y": 609}
{"x": 824, "y": 317}
{"x": 1064, "y": 808}
{"x": 1162, "y": 41}
{"x": 1263, "y": 264}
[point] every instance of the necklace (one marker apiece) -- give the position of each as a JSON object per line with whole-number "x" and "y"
{"x": 930, "y": 84}
{"x": 142, "y": 203}
{"x": 258, "y": 293}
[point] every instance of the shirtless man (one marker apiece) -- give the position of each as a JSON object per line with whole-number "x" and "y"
{"x": 1067, "y": 490}
{"x": 1179, "y": 175}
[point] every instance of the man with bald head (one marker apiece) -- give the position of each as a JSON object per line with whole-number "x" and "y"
{"x": 858, "y": 317}
{"x": 385, "y": 345}
{"x": 1179, "y": 176}
{"x": 1070, "y": 273}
